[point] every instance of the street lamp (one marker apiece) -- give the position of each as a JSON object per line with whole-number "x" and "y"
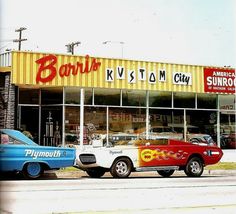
{"x": 116, "y": 42}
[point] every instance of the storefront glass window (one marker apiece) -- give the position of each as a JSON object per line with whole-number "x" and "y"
{"x": 166, "y": 124}
{"x": 72, "y": 124}
{"x": 51, "y": 126}
{"x": 28, "y": 96}
{"x": 52, "y": 95}
{"x": 107, "y": 97}
{"x": 95, "y": 123}
{"x": 72, "y": 95}
{"x": 227, "y": 121}
{"x": 227, "y": 102}
{"x": 160, "y": 99}
{"x": 126, "y": 124}
{"x": 133, "y": 98}
{"x": 88, "y": 96}
{"x": 201, "y": 126}
{"x": 207, "y": 101}
{"x": 227, "y": 130}
{"x": 26, "y": 124}
{"x": 184, "y": 100}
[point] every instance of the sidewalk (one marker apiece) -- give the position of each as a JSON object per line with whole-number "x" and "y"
{"x": 81, "y": 174}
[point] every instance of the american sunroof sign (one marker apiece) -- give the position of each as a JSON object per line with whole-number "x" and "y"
{"x": 219, "y": 80}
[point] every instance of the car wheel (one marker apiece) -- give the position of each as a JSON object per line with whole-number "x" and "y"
{"x": 165, "y": 173}
{"x": 121, "y": 168}
{"x": 96, "y": 172}
{"x": 33, "y": 170}
{"x": 194, "y": 167}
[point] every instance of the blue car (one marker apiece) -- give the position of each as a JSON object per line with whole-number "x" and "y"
{"x": 18, "y": 153}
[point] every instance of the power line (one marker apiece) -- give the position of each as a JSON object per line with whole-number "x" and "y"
{"x": 20, "y": 35}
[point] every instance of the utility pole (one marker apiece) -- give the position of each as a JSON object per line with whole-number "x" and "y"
{"x": 70, "y": 47}
{"x": 20, "y": 35}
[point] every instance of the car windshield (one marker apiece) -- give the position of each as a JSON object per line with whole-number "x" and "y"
{"x": 208, "y": 139}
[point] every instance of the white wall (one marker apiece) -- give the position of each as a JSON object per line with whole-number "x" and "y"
{"x": 229, "y": 155}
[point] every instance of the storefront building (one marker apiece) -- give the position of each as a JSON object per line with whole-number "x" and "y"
{"x": 47, "y": 94}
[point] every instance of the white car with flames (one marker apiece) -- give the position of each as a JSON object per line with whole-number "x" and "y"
{"x": 163, "y": 155}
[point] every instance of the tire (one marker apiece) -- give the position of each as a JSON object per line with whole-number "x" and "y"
{"x": 121, "y": 168}
{"x": 165, "y": 173}
{"x": 33, "y": 170}
{"x": 95, "y": 172}
{"x": 194, "y": 167}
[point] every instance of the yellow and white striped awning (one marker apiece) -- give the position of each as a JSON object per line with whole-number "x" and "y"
{"x": 42, "y": 69}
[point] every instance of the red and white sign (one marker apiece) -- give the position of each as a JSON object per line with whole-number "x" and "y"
{"x": 219, "y": 80}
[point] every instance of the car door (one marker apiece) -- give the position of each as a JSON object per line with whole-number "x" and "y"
{"x": 161, "y": 155}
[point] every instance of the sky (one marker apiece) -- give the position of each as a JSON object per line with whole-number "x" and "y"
{"x": 195, "y": 32}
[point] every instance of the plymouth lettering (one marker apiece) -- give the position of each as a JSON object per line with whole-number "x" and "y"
{"x": 35, "y": 154}
{"x": 116, "y": 152}
{"x": 48, "y": 68}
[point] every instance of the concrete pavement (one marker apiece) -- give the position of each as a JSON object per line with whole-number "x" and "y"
{"x": 178, "y": 194}
{"x": 80, "y": 174}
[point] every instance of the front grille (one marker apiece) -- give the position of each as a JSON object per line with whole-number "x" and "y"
{"x": 87, "y": 158}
